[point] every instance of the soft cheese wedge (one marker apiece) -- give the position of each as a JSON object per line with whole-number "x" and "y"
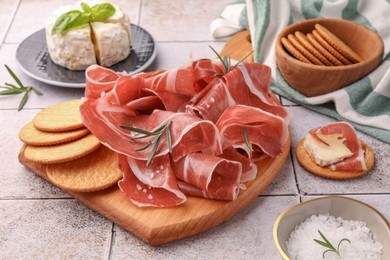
{"x": 329, "y": 151}
{"x": 111, "y": 43}
{"x": 105, "y": 43}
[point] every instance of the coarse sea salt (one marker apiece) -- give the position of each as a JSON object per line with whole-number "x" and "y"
{"x": 301, "y": 246}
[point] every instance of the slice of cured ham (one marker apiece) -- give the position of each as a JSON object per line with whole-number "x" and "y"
{"x": 154, "y": 185}
{"x": 266, "y": 132}
{"x": 216, "y": 177}
{"x": 98, "y": 80}
{"x": 200, "y": 112}
{"x": 249, "y": 85}
{"x": 188, "y": 133}
{"x": 347, "y": 135}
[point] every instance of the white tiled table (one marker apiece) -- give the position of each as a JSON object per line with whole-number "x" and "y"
{"x": 39, "y": 221}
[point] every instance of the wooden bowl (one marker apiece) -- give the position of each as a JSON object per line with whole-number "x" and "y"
{"x": 313, "y": 80}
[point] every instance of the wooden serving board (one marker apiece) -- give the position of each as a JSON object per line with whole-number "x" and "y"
{"x": 162, "y": 225}
{"x": 239, "y": 46}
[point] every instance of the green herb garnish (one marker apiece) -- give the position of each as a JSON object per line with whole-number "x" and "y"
{"x": 247, "y": 140}
{"x": 158, "y": 133}
{"x": 226, "y": 61}
{"x": 76, "y": 19}
{"x": 11, "y": 89}
{"x": 327, "y": 244}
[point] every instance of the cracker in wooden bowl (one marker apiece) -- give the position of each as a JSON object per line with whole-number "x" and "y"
{"x": 61, "y": 117}
{"x": 96, "y": 171}
{"x": 338, "y": 44}
{"x": 30, "y": 135}
{"x": 62, "y": 152}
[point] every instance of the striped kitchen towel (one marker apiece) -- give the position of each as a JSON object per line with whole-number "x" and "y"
{"x": 364, "y": 103}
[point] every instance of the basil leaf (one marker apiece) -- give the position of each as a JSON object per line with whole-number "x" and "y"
{"x": 86, "y": 8}
{"x": 69, "y": 21}
{"x": 101, "y": 12}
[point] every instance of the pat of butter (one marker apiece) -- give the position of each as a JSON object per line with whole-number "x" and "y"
{"x": 324, "y": 154}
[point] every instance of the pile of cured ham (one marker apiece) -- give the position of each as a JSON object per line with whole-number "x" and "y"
{"x": 209, "y": 126}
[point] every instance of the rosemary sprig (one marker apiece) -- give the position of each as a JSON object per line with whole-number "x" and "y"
{"x": 327, "y": 244}
{"x": 11, "y": 89}
{"x": 247, "y": 141}
{"x": 158, "y": 133}
{"x": 226, "y": 61}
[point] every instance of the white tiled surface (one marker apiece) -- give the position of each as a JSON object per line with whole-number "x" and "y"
{"x": 39, "y": 221}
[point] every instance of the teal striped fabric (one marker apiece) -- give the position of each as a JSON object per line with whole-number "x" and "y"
{"x": 365, "y": 103}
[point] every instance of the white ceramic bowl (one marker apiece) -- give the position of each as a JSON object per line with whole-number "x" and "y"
{"x": 337, "y": 206}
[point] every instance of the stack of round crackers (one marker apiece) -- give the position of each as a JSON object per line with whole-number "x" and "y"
{"x": 320, "y": 47}
{"x": 75, "y": 159}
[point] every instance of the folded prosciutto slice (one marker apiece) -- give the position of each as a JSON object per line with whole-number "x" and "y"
{"x": 214, "y": 177}
{"x": 265, "y": 132}
{"x": 153, "y": 185}
{"x": 181, "y": 131}
{"x": 338, "y": 137}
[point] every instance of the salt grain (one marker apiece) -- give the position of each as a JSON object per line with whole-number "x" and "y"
{"x": 301, "y": 246}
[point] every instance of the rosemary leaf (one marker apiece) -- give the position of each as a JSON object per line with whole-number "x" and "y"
{"x": 169, "y": 138}
{"x": 39, "y": 93}
{"x": 158, "y": 133}
{"x": 344, "y": 239}
{"x": 17, "y": 80}
{"x": 10, "y": 85}
{"x": 329, "y": 245}
{"x": 144, "y": 147}
{"x": 11, "y": 91}
{"x": 152, "y": 153}
{"x": 137, "y": 130}
{"x": 160, "y": 129}
{"x": 323, "y": 243}
{"x": 326, "y": 240}
{"x": 242, "y": 59}
{"x": 225, "y": 66}
{"x": 247, "y": 142}
{"x": 326, "y": 251}
{"x": 23, "y": 101}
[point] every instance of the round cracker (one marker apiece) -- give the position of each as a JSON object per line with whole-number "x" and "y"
{"x": 306, "y": 43}
{"x": 96, "y": 171}
{"x": 294, "y": 52}
{"x": 330, "y": 48}
{"x": 338, "y": 44}
{"x": 62, "y": 152}
{"x": 294, "y": 41}
{"x": 29, "y": 134}
{"x": 61, "y": 117}
{"x": 323, "y": 51}
{"x": 306, "y": 162}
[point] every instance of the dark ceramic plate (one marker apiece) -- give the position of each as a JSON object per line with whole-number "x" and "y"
{"x": 34, "y": 60}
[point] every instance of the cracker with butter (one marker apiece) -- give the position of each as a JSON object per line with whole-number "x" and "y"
{"x": 334, "y": 151}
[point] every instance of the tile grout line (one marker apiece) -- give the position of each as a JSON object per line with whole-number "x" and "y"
{"x": 295, "y": 175}
{"x": 8, "y": 27}
{"x": 112, "y": 241}
{"x": 139, "y": 12}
